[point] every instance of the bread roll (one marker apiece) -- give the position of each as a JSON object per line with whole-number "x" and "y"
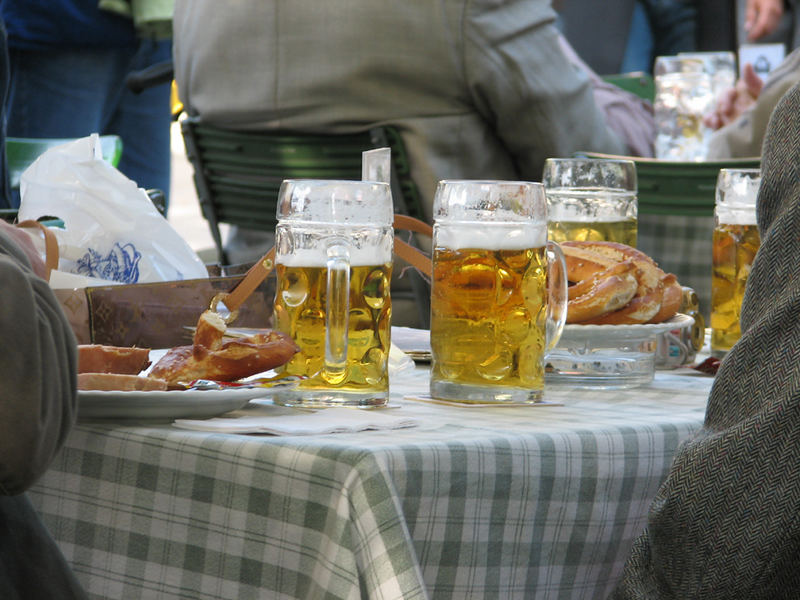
{"x": 97, "y": 358}
{"x": 118, "y": 382}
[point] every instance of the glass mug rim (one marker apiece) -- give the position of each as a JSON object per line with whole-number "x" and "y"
{"x": 530, "y": 209}
{"x": 734, "y": 170}
{"x": 628, "y": 179}
{"x": 727, "y": 197}
{"x": 339, "y": 211}
{"x": 682, "y": 75}
{"x": 590, "y": 159}
{"x": 509, "y": 182}
{"x": 664, "y": 63}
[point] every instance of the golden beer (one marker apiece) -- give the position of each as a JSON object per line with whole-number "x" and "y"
{"x": 488, "y": 310}
{"x": 733, "y": 249}
{"x": 623, "y": 232}
{"x": 300, "y": 312}
{"x": 592, "y": 214}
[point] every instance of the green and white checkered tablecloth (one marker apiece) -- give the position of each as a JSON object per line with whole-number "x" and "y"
{"x": 681, "y": 245}
{"x": 507, "y": 502}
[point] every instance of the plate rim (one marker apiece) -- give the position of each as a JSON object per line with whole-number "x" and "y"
{"x": 193, "y": 392}
{"x": 677, "y": 321}
{"x": 148, "y": 405}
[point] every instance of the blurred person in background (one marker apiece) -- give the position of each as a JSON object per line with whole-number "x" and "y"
{"x": 477, "y": 89}
{"x": 633, "y": 34}
{"x": 760, "y": 19}
{"x": 69, "y": 61}
{"x": 727, "y": 24}
{"x": 741, "y": 115}
{"x": 628, "y": 115}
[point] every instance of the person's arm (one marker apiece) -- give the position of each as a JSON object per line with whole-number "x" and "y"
{"x": 38, "y": 370}
{"x": 762, "y": 18}
{"x": 733, "y": 102}
{"x": 630, "y": 117}
{"x": 522, "y": 83}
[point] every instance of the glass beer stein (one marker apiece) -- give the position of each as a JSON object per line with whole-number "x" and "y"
{"x": 591, "y": 199}
{"x": 497, "y": 306}
{"x": 735, "y": 241}
{"x": 333, "y": 260}
{"x": 681, "y": 100}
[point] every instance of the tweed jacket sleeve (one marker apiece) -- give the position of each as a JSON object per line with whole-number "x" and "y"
{"x": 38, "y": 366}
{"x": 726, "y": 523}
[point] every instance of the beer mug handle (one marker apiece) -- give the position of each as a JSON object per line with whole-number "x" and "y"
{"x": 556, "y": 294}
{"x": 337, "y": 309}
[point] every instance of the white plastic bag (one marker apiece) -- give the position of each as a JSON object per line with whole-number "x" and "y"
{"x": 112, "y": 231}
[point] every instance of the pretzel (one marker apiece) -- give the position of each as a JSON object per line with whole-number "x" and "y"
{"x": 98, "y": 358}
{"x": 590, "y": 265}
{"x": 671, "y": 300}
{"x": 601, "y": 293}
{"x": 210, "y": 358}
{"x": 119, "y": 382}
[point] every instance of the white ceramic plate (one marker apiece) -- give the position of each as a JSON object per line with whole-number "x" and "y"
{"x": 607, "y": 333}
{"x": 165, "y": 405}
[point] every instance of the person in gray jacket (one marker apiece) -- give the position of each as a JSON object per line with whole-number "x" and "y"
{"x": 479, "y": 89}
{"x": 38, "y": 398}
{"x": 741, "y": 115}
{"x": 724, "y": 524}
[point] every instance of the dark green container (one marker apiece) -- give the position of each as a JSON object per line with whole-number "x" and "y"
{"x": 679, "y": 188}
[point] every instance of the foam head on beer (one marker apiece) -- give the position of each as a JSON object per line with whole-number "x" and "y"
{"x": 736, "y": 194}
{"x": 317, "y": 256}
{"x": 491, "y": 236}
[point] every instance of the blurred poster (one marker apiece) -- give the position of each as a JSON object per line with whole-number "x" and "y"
{"x": 763, "y": 57}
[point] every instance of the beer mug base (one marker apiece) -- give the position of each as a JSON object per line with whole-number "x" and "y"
{"x": 330, "y": 399}
{"x": 479, "y": 394}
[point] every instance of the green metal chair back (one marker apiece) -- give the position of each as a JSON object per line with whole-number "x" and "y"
{"x": 638, "y": 83}
{"x": 238, "y": 174}
{"x": 683, "y": 188}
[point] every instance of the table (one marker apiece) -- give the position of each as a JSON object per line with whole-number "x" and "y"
{"x": 501, "y": 502}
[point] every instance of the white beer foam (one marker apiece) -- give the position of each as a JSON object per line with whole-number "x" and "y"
{"x": 729, "y": 215}
{"x": 597, "y": 205}
{"x": 566, "y": 217}
{"x": 491, "y": 236}
{"x": 317, "y": 257}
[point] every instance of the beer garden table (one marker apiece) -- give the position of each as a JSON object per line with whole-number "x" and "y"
{"x": 500, "y": 502}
